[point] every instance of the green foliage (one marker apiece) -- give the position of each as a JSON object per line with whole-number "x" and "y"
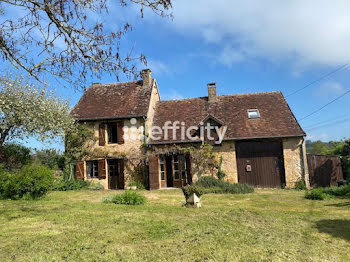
{"x": 315, "y": 194}
{"x": 62, "y": 184}
{"x": 214, "y": 185}
{"x": 221, "y": 174}
{"x": 14, "y": 156}
{"x": 189, "y": 190}
{"x": 95, "y": 186}
{"x": 50, "y": 157}
{"x": 327, "y": 192}
{"x": 27, "y": 110}
{"x": 31, "y": 182}
{"x": 337, "y": 191}
{"x": 127, "y": 198}
{"x": 300, "y": 185}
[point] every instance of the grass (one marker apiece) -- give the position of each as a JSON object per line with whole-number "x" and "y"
{"x": 270, "y": 225}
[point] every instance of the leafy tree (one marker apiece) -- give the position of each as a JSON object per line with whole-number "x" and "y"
{"x": 68, "y": 43}
{"x": 50, "y": 157}
{"x": 14, "y": 156}
{"x": 27, "y": 111}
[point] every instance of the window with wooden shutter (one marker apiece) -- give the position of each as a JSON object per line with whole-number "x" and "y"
{"x": 154, "y": 173}
{"x": 101, "y": 169}
{"x": 102, "y": 136}
{"x": 120, "y": 133}
{"x": 79, "y": 172}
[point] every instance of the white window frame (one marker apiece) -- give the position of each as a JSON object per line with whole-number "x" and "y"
{"x": 253, "y": 111}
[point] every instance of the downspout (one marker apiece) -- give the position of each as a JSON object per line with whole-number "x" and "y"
{"x": 302, "y": 159}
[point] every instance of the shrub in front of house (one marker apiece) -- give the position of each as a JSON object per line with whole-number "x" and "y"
{"x": 300, "y": 185}
{"x": 189, "y": 190}
{"x": 31, "y": 182}
{"x": 61, "y": 184}
{"x": 315, "y": 194}
{"x": 328, "y": 192}
{"x": 214, "y": 185}
{"x": 127, "y": 198}
{"x": 337, "y": 191}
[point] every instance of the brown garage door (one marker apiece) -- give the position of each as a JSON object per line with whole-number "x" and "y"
{"x": 260, "y": 163}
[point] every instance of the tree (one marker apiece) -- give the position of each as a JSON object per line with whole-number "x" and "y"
{"x": 28, "y": 111}
{"x": 60, "y": 38}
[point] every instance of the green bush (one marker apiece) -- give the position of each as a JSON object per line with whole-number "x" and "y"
{"x": 300, "y": 185}
{"x": 189, "y": 190}
{"x": 62, "y": 184}
{"x": 14, "y": 156}
{"x": 315, "y": 194}
{"x": 95, "y": 186}
{"x": 214, "y": 185}
{"x": 127, "y": 198}
{"x": 337, "y": 191}
{"x": 31, "y": 182}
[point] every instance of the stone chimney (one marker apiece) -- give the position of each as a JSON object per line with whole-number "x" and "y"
{"x": 146, "y": 77}
{"x": 211, "y": 92}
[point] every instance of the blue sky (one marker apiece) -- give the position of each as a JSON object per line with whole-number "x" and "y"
{"x": 250, "y": 46}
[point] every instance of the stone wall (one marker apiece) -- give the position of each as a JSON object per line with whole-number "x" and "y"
{"x": 132, "y": 149}
{"x": 295, "y": 162}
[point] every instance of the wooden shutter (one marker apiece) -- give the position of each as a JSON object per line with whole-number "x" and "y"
{"x": 102, "y": 134}
{"x": 101, "y": 169}
{"x": 120, "y": 132}
{"x": 121, "y": 182}
{"x": 188, "y": 168}
{"x": 79, "y": 171}
{"x": 154, "y": 172}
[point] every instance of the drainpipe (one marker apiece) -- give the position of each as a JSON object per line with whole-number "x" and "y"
{"x": 302, "y": 159}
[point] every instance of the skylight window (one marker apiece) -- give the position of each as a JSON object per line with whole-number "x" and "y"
{"x": 253, "y": 113}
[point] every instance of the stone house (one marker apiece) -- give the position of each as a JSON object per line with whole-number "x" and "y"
{"x": 253, "y": 138}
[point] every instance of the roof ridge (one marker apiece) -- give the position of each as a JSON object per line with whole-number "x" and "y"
{"x": 242, "y": 94}
{"x": 118, "y": 83}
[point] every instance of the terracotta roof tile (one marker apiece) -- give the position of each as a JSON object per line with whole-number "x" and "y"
{"x": 107, "y": 101}
{"x": 276, "y": 118}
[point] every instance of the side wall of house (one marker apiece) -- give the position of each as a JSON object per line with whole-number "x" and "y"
{"x": 229, "y": 164}
{"x": 152, "y": 106}
{"x": 132, "y": 149}
{"x": 295, "y": 161}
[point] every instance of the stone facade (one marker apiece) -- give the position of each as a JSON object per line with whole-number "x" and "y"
{"x": 295, "y": 161}
{"x": 132, "y": 150}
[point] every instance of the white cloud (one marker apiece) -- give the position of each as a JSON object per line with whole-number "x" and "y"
{"x": 158, "y": 67}
{"x": 330, "y": 89}
{"x": 172, "y": 95}
{"x": 304, "y": 32}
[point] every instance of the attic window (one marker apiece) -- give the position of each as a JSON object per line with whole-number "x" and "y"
{"x": 253, "y": 113}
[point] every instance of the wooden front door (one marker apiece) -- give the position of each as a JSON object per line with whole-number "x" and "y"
{"x": 116, "y": 173}
{"x": 260, "y": 163}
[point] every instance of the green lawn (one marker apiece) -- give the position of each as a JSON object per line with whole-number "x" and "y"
{"x": 270, "y": 225}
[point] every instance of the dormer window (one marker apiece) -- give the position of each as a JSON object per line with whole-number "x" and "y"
{"x": 253, "y": 113}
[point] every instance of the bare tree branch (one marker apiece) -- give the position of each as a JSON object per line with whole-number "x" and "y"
{"x": 60, "y": 38}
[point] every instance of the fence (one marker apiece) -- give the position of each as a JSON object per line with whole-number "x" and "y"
{"x": 324, "y": 171}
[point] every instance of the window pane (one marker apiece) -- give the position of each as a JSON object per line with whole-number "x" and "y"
{"x": 253, "y": 113}
{"x": 112, "y": 130}
{"x": 89, "y": 169}
{"x": 176, "y": 175}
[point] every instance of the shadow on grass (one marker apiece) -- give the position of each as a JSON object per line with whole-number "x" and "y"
{"x": 344, "y": 204}
{"x": 337, "y": 228}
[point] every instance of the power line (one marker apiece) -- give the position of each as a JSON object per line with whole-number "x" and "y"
{"x": 320, "y": 79}
{"x": 328, "y": 120}
{"x": 332, "y": 123}
{"x": 322, "y": 107}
